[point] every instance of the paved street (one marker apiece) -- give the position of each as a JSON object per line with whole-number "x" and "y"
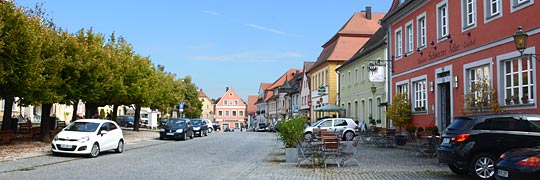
{"x": 238, "y": 155}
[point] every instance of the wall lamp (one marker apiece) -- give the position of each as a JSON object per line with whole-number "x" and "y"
{"x": 520, "y": 39}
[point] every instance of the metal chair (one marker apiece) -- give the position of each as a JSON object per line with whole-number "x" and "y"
{"x": 349, "y": 150}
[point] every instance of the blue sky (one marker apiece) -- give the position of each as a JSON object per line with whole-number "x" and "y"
{"x": 219, "y": 43}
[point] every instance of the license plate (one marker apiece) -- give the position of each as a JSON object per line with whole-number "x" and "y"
{"x": 170, "y": 134}
{"x": 502, "y": 173}
{"x": 65, "y": 146}
{"x": 446, "y": 140}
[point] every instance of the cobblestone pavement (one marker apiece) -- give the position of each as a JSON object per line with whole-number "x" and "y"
{"x": 375, "y": 163}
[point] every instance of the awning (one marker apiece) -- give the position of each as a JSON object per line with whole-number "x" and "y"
{"x": 329, "y": 108}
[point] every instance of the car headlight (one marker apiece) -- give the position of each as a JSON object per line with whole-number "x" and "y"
{"x": 56, "y": 138}
{"x": 162, "y": 130}
{"x": 180, "y": 130}
{"x": 84, "y": 139}
{"x": 196, "y": 128}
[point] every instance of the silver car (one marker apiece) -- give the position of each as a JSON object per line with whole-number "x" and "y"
{"x": 344, "y": 127}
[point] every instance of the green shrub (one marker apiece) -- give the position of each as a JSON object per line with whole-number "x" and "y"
{"x": 291, "y": 132}
{"x": 411, "y": 128}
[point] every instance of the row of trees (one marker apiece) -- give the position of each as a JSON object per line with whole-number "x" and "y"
{"x": 42, "y": 64}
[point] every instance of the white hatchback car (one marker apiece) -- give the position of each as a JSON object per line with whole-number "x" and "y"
{"x": 346, "y": 127}
{"x": 89, "y": 136}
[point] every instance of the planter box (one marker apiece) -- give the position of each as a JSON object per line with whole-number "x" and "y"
{"x": 291, "y": 155}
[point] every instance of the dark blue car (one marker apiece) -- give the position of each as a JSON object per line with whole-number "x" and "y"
{"x": 200, "y": 128}
{"x": 178, "y": 129}
{"x": 519, "y": 164}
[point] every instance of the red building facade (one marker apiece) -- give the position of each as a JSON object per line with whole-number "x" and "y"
{"x": 440, "y": 49}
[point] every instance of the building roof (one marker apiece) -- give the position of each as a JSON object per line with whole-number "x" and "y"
{"x": 251, "y": 108}
{"x": 376, "y": 41}
{"x": 281, "y": 80}
{"x": 350, "y": 38}
{"x": 202, "y": 94}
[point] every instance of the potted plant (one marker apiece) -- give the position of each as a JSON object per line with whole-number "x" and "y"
{"x": 525, "y": 99}
{"x": 516, "y": 99}
{"x": 419, "y": 131}
{"x": 291, "y": 133}
{"x": 508, "y": 101}
{"x": 400, "y": 113}
{"x": 411, "y": 128}
{"x": 433, "y": 129}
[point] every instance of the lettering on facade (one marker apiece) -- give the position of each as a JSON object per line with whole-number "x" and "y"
{"x": 452, "y": 48}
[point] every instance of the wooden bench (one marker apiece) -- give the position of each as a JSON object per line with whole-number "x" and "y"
{"x": 7, "y": 135}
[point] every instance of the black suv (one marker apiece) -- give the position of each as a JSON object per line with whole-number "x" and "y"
{"x": 472, "y": 144}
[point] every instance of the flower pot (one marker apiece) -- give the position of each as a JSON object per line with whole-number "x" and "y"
{"x": 291, "y": 155}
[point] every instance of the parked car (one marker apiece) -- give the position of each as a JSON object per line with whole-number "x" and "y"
{"x": 89, "y": 136}
{"x": 346, "y": 128}
{"x": 216, "y": 126}
{"x": 262, "y": 127}
{"x": 200, "y": 127}
{"x": 471, "y": 144}
{"x": 210, "y": 125}
{"x": 126, "y": 121}
{"x": 519, "y": 164}
{"x": 177, "y": 128}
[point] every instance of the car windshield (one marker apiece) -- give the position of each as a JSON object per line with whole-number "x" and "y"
{"x": 197, "y": 122}
{"x": 176, "y": 122}
{"x": 459, "y": 124}
{"x": 82, "y": 126}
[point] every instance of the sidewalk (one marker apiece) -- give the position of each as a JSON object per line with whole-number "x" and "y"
{"x": 25, "y": 149}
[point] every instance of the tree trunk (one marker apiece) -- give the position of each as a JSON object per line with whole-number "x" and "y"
{"x": 137, "y": 118}
{"x": 6, "y": 120}
{"x": 91, "y": 110}
{"x": 114, "y": 112}
{"x": 45, "y": 122}
{"x": 74, "y": 114}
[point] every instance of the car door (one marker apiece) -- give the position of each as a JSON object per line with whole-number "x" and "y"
{"x": 116, "y": 134}
{"x": 105, "y": 139}
{"x": 327, "y": 125}
{"x": 340, "y": 125}
{"x": 534, "y": 130}
{"x": 511, "y": 132}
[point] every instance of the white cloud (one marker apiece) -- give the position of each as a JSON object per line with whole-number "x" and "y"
{"x": 262, "y": 28}
{"x": 213, "y": 13}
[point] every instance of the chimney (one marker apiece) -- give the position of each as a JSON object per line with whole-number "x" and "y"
{"x": 226, "y": 89}
{"x": 368, "y": 12}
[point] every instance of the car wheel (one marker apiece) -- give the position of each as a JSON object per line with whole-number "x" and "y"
{"x": 161, "y": 137}
{"x": 210, "y": 130}
{"x": 483, "y": 166}
{"x": 120, "y": 147}
{"x": 206, "y": 133}
{"x": 458, "y": 170}
{"x": 349, "y": 136}
{"x": 95, "y": 150}
{"x": 184, "y": 136}
{"x": 192, "y": 135}
{"x": 308, "y": 136}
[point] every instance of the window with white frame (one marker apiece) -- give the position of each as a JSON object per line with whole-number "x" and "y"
{"x": 520, "y": 4}
{"x": 403, "y": 88}
{"x": 399, "y": 45}
{"x": 469, "y": 13}
{"x": 233, "y": 113}
{"x": 409, "y": 39}
{"x": 442, "y": 20}
{"x": 518, "y": 81}
{"x": 420, "y": 94}
{"x": 241, "y": 113}
{"x": 478, "y": 82}
{"x": 350, "y": 77}
{"x": 224, "y": 102}
{"x": 235, "y": 102}
{"x": 226, "y": 113}
{"x": 363, "y": 73}
{"x": 379, "y": 109}
{"x": 370, "y": 106}
{"x": 220, "y": 113}
{"x": 356, "y": 76}
{"x": 492, "y": 9}
{"x": 356, "y": 110}
{"x": 363, "y": 108}
{"x": 421, "y": 22}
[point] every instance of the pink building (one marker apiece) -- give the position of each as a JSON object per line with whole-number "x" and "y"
{"x": 231, "y": 111}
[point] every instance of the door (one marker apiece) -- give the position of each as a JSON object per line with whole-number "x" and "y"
{"x": 327, "y": 125}
{"x": 106, "y": 140}
{"x": 444, "y": 105}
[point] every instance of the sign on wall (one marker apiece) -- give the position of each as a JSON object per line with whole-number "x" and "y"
{"x": 377, "y": 75}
